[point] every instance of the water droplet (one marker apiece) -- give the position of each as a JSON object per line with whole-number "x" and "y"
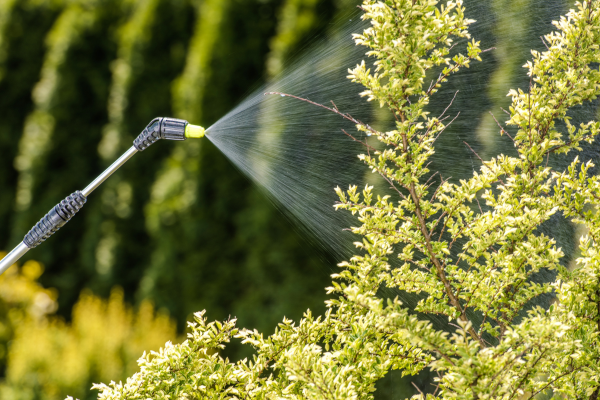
{"x": 283, "y": 95}
{"x": 368, "y": 133}
{"x": 350, "y": 20}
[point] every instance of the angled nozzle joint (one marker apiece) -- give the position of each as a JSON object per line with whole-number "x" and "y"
{"x": 160, "y": 128}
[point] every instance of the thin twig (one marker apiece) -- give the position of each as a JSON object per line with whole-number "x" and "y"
{"x": 438, "y": 385}
{"x": 479, "y": 204}
{"x": 359, "y": 141}
{"x": 556, "y": 379}
{"x": 480, "y": 159}
{"x": 393, "y": 186}
{"x": 416, "y": 387}
{"x": 543, "y": 41}
{"x": 530, "y": 112}
{"x": 524, "y": 378}
{"x": 439, "y": 187}
{"x": 431, "y": 177}
{"x": 450, "y": 71}
{"x": 449, "y": 105}
{"x": 501, "y": 128}
{"x": 333, "y": 110}
{"x": 555, "y": 148}
{"x": 445, "y": 127}
{"x": 470, "y": 148}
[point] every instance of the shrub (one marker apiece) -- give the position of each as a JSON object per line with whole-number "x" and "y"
{"x": 472, "y": 264}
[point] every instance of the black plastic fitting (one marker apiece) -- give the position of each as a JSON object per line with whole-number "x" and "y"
{"x": 55, "y": 219}
{"x": 160, "y": 128}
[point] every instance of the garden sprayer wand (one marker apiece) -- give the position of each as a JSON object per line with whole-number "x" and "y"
{"x": 158, "y": 128}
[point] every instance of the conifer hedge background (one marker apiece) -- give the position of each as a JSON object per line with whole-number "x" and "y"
{"x": 179, "y": 225}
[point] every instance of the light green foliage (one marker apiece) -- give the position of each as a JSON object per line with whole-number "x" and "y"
{"x": 472, "y": 266}
{"x": 22, "y": 299}
{"x": 49, "y": 358}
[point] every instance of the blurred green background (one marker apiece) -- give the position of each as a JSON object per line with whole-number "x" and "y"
{"x": 178, "y": 229}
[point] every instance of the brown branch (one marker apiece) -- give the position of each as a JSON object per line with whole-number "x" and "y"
{"x": 333, "y": 110}
{"x": 474, "y": 152}
{"x": 516, "y": 390}
{"x": 543, "y": 41}
{"x": 416, "y": 387}
{"x": 480, "y": 159}
{"x": 449, "y": 105}
{"x": 359, "y": 141}
{"x": 392, "y": 185}
{"x": 555, "y": 148}
{"x": 478, "y": 204}
{"x": 501, "y": 128}
{"x": 432, "y": 176}
{"x": 437, "y": 387}
{"x": 457, "y": 236}
{"x": 439, "y": 121}
{"x": 445, "y": 127}
{"x": 450, "y": 71}
{"x": 560, "y": 377}
{"x": 439, "y": 267}
{"x": 529, "y": 111}
{"x": 439, "y": 187}
{"x": 506, "y": 367}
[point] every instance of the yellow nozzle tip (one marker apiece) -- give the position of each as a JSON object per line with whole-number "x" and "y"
{"x": 194, "y": 131}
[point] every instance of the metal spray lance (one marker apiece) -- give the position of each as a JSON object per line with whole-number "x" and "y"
{"x": 158, "y": 128}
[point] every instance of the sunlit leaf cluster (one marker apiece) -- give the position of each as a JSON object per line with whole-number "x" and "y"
{"x": 469, "y": 250}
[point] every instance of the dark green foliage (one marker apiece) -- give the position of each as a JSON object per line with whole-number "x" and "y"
{"x": 241, "y": 259}
{"x": 69, "y": 110}
{"x": 70, "y": 102}
{"x": 154, "y": 64}
{"x": 21, "y": 57}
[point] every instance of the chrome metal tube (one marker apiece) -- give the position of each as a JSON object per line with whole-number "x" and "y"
{"x": 13, "y": 257}
{"x": 109, "y": 171}
{"x": 59, "y": 215}
{"x": 47, "y": 228}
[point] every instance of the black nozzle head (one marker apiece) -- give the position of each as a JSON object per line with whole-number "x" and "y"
{"x": 160, "y": 128}
{"x": 173, "y": 129}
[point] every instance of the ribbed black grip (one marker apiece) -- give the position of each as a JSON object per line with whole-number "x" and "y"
{"x": 160, "y": 128}
{"x": 55, "y": 219}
